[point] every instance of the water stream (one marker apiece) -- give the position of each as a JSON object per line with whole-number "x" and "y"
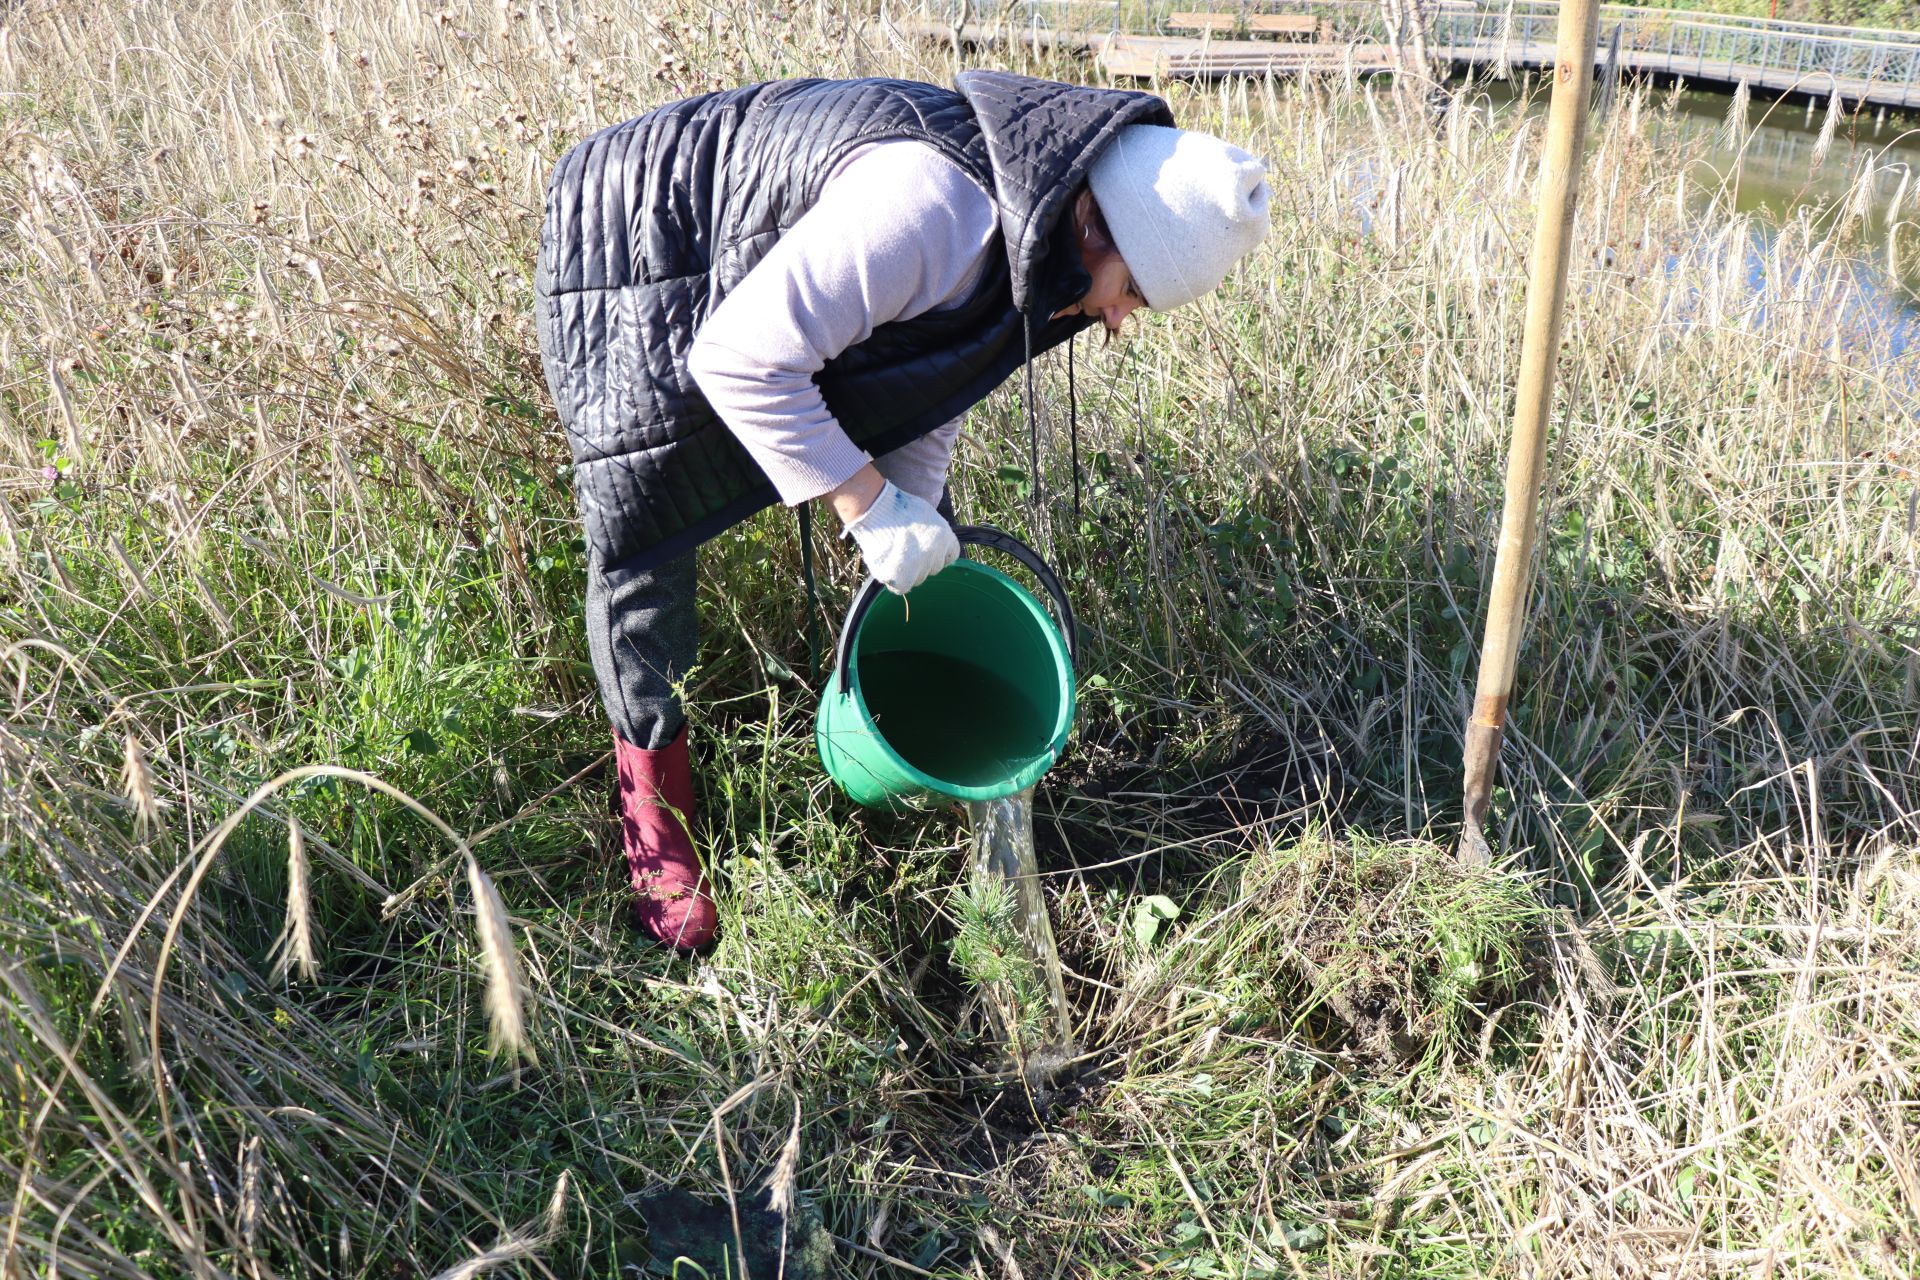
{"x": 1031, "y": 1006}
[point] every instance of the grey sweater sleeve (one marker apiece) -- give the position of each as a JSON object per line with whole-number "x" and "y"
{"x": 920, "y": 466}
{"x": 898, "y": 231}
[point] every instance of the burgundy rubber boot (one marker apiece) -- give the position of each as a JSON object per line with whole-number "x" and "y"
{"x": 670, "y": 897}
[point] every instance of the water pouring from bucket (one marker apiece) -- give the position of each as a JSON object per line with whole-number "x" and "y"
{"x": 964, "y": 690}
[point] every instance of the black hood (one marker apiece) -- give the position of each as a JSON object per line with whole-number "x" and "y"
{"x": 1042, "y": 137}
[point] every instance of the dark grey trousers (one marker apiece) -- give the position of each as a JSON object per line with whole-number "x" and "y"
{"x": 643, "y": 634}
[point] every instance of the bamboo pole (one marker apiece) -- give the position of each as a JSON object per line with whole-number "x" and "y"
{"x": 1558, "y": 195}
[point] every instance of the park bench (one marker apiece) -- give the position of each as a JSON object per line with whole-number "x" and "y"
{"x": 1292, "y": 26}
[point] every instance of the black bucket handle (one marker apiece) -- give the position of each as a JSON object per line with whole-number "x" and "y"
{"x": 970, "y": 535}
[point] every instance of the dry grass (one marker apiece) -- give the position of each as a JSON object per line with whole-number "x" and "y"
{"x": 290, "y": 583}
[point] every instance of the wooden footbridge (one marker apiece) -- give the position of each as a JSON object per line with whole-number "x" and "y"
{"x": 1193, "y": 38}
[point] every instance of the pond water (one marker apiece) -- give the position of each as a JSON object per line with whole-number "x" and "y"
{"x": 1775, "y": 175}
{"x": 1772, "y": 171}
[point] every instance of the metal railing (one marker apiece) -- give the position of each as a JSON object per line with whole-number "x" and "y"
{"x": 1718, "y": 47}
{"x": 1698, "y": 46}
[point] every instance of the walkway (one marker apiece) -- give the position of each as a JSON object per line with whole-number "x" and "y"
{"x": 1879, "y": 68}
{"x": 1147, "y": 39}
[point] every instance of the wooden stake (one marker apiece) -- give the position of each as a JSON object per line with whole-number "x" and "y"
{"x": 1558, "y": 193}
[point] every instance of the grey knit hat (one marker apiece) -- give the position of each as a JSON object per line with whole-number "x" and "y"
{"x": 1183, "y": 208}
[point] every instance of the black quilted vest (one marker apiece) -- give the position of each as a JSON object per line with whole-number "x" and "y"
{"x": 649, "y": 224}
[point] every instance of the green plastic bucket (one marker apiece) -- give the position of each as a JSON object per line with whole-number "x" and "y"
{"x": 960, "y": 690}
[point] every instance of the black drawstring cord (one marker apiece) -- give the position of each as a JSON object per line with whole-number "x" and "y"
{"x": 1073, "y": 429}
{"x": 1033, "y": 425}
{"x": 813, "y": 593}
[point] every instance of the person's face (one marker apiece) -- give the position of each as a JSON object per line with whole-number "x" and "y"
{"x": 1114, "y": 295}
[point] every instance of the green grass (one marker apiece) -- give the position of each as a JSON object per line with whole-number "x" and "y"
{"x": 308, "y": 508}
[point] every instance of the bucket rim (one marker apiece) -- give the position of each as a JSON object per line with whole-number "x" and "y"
{"x": 1063, "y": 719}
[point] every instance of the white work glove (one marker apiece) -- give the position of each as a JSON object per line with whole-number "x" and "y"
{"x": 903, "y": 540}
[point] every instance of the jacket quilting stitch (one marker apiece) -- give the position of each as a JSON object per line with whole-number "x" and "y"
{"x": 651, "y": 222}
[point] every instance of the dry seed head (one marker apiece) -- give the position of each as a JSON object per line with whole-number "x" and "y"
{"x": 138, "y": 780}
{"x": 250, "y": 1189}
{"x": 294, "y": 948}
{"x": 1733, "y": 130}
{"x": 509, "y": 1250}
{"x": 516, "y": 1245}
{"x": 1824, "y": 143}
{"x": 557, "y": 1206}
{"x": 506, "y": 987}
{"x": 1860, "y": 195}
{"x": 780, "y": 1181}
